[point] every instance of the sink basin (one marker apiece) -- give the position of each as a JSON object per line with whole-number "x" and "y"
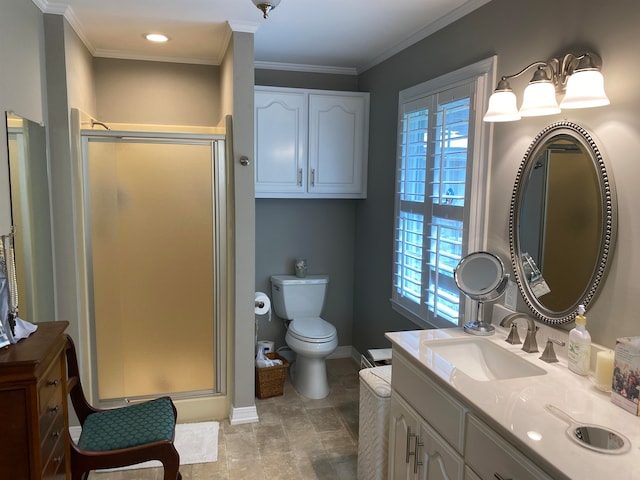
{"x": 481, "y": 359}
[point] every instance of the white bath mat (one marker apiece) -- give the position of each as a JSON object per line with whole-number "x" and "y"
{"x": 195, "y": 442}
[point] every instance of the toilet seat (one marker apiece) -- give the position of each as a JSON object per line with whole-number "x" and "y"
{"x": 312, "y": 329}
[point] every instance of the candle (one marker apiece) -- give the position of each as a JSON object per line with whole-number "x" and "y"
{"x": 604, "y": 368}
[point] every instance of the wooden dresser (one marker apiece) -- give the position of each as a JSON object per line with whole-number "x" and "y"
{"x": 33, "y": 406}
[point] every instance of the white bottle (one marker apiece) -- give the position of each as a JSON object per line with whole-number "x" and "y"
{"x": 580, "y": 345}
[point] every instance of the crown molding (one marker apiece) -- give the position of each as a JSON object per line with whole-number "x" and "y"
{"x": 297, "y": 67}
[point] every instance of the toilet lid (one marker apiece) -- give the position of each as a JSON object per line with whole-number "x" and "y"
{"x": 312, "y": 329}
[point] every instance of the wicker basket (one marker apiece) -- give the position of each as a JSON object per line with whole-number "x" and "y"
{"x": 270, "y": 380}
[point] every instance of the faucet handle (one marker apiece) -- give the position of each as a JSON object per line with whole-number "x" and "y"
{"x": 549, "y": 355}
{"x": 513, "y": 338}
{"x": 530, "y": 343}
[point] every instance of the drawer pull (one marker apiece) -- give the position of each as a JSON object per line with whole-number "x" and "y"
{"x": 56, "y": 434}
{"x": 408, "y": 445}
{"x": 299, "y": 177}
{"x": 53, "y": 383}
{"x": 58, "y": 460}
{"x": 417, "y": 463}
{"x": 500, "y": 477}
{"x": 54, "y": 410}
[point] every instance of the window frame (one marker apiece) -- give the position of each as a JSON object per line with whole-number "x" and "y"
{"x": 482, "y": 74}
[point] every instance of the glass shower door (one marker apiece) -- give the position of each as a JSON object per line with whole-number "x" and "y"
{"x": 150, "y": 207}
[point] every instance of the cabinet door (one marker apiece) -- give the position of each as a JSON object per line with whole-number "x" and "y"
{"x": 338, "y": 135}
{"x": 403, "y": 440}
{"x": 280, "y": 142}
{"x": 439, "y": 460}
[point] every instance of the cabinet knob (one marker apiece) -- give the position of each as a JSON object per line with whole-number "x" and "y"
{"x": 53, "y": 383}
{"x": 54, "y": 410}
{"x": 58, "y": 460}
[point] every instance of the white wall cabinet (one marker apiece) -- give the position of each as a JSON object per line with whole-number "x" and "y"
{"x": 451, "y": 443}
{"x": 310, "y": 143}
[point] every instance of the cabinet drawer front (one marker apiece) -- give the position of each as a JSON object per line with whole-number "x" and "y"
{"x": 440, "y": 409}
{"x": 50, "y": 411}
{"x": 488, "y": 454}
{"x": 55, "y": 468}
{"x": 53, "y": 436}
{"x": 50, "y": 385}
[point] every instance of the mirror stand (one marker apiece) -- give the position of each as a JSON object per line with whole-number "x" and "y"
{"x": 479, "y": 326}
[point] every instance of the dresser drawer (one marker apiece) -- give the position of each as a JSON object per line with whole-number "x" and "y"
{"x": 50, "y": 413}
{"x": 55, "y": 466}
{"x": 52, "y": 436}
{"x": 441, "y": 410}
{"x": 50, "y": 386}
{"x": 488, "y": 454}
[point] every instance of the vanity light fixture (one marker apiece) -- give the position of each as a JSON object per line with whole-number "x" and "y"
{"x": 266, "y": 6}
{"x": 578, "y": 77}
{"x": 156, "y": 37}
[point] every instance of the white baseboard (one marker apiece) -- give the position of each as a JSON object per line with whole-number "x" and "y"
{"x": 242, "y": 415}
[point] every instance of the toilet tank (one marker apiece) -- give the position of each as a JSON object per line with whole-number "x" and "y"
{"x": 295, "y": 297}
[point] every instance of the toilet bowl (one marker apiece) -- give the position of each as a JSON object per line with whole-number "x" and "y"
{"x": 309, "y": 336}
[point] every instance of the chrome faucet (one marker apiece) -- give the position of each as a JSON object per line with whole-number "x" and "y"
{"x": 530, "y": 344}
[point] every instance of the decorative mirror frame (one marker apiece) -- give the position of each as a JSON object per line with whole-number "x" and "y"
{"x": 609, "y": 220}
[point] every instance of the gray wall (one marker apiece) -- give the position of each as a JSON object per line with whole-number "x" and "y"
{"x": 323, "y": 232}
{"x": 519, "y": 33}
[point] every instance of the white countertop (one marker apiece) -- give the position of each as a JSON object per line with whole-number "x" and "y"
{"x": 516, "y": 406}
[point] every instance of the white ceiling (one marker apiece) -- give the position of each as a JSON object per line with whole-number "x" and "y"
{"x": 343, "y": 36}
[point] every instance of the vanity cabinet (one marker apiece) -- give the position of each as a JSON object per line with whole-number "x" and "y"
{"x": 33, "y": 406}
{"x": 433, "y": 435}
{"x": 310, "y": 143}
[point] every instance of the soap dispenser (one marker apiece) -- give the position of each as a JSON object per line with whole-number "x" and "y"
{"x": 580, "y": 345}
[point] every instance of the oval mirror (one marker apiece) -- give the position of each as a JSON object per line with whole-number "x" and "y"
{"x": 562, "y": 222}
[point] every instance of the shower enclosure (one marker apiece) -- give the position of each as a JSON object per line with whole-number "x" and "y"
{"x": 154, "y": 221}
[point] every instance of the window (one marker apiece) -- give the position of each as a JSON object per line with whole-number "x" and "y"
{"x": 440, "y": 191}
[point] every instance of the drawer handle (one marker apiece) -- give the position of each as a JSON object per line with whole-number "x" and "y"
{"x": 54, "y": 410}
{"x": 417, "y": 463}
{"x": 408, "y": 444}
{"x": 299, "y": 177}
{"x": 53, "y": 383}
{"x": 313, "y": 177}
{"x": 500, "y": 477}
{"x": 56, "y": 434}
{"x": 58, "y": 460}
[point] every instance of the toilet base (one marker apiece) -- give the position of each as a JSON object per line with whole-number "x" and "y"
{"x": 309, "y": 377}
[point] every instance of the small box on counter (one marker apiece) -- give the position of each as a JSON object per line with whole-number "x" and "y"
{"x": 625, "y": 388}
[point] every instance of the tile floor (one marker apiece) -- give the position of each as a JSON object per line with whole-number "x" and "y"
{"x": 296, "y": 438}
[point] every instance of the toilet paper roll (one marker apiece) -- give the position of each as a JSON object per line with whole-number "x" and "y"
{"x": 263, "y": 304}
{"x": 266, "y": 346}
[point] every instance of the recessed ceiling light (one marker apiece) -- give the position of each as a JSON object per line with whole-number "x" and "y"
{"x": 156, "y": 37}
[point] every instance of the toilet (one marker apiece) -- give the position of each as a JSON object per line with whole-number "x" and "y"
{"x": 313, "y": 339}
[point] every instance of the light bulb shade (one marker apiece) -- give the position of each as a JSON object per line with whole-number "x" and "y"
{"x": 539, "y": 99}
{"x": 585, "y": 88}
{"x": 502, "y": 107}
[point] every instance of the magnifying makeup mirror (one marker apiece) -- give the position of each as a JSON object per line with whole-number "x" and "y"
{"x": 480, "y": 276}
